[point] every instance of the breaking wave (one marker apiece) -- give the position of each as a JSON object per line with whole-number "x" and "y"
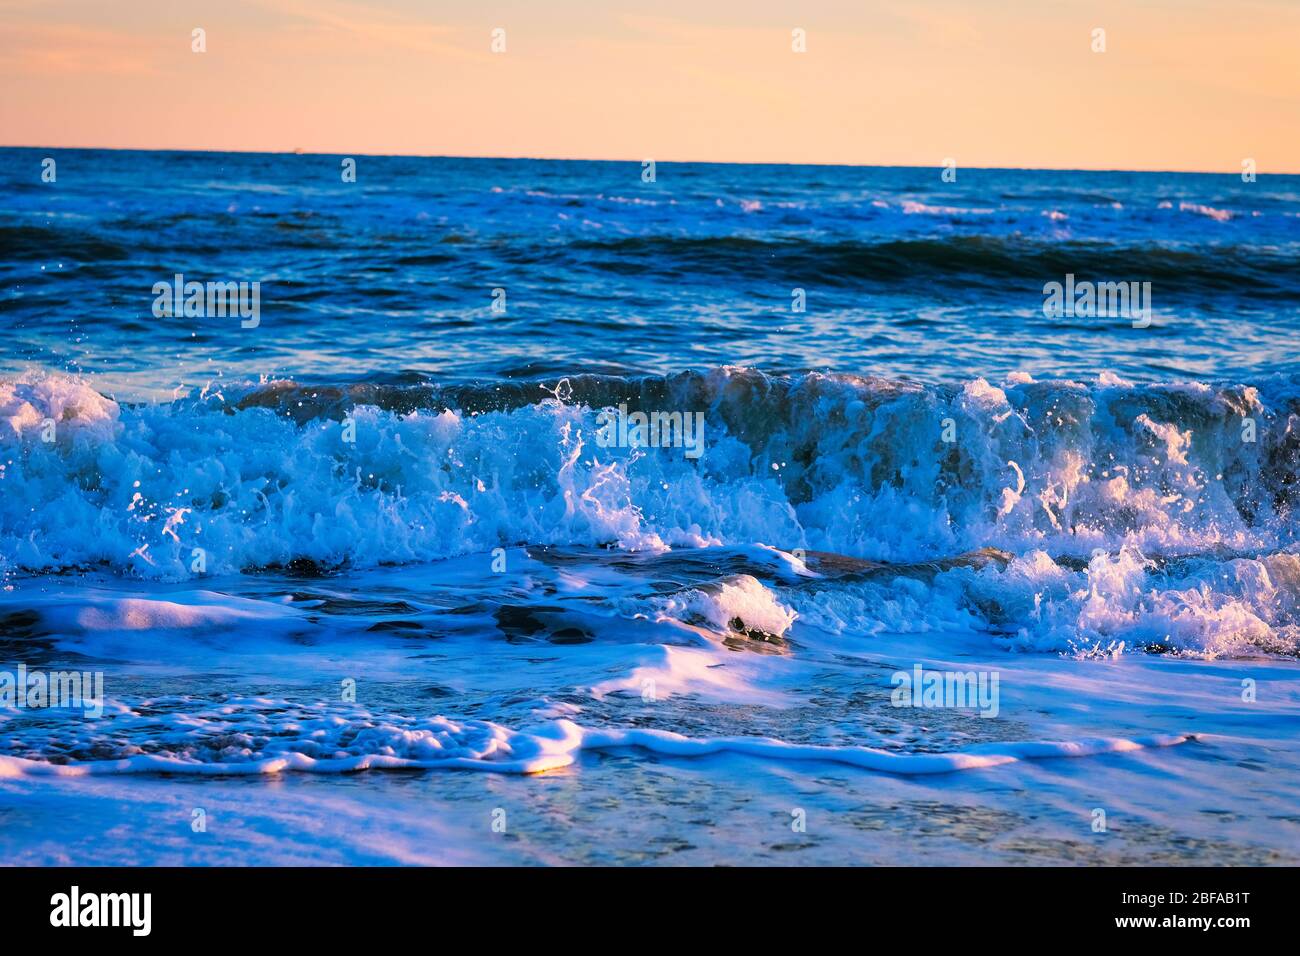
{"x": 887, "y": 470}
{"x": 1104, "y": 516}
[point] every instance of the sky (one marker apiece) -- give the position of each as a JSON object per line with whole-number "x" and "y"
{"x": 1181, "y": 84}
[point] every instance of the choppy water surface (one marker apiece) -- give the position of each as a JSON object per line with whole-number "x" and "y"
{"x": 387, "y": 489}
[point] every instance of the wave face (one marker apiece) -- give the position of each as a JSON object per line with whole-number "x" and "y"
{"x": 953, "y": 261}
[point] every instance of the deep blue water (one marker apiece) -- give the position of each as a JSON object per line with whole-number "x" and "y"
{"x": 904, "y": 275}
{"x": 386, "y": 482}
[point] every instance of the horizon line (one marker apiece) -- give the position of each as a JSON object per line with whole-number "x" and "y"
{"x": 656, "y": 160}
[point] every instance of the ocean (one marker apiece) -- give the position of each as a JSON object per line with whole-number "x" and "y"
{"x": 433, "y": 510}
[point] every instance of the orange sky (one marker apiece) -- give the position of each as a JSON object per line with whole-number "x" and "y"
{"x": 1183, "y": 84}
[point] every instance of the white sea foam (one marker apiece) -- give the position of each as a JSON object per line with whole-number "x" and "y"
{"x": 742, "y": 601}
{"x": 861, "y": 467}
{"x": 264, "y": 736}
{"x": 1219, "y": 215}
{"x": 1125, "y": 601}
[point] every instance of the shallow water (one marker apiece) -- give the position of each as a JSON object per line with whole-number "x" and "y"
{"x": 334, "y": 567}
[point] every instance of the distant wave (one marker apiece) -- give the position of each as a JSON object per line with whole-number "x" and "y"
{"x": 40, "y": 243}
{"x": 1246, "y": 270}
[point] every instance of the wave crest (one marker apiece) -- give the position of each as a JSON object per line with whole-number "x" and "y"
{"x": 876, "y": 468}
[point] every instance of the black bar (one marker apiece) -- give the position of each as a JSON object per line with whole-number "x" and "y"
{"x": 202, "y": 906}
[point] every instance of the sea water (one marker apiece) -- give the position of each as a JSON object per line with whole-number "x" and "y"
{"x": 375, "y": 564}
